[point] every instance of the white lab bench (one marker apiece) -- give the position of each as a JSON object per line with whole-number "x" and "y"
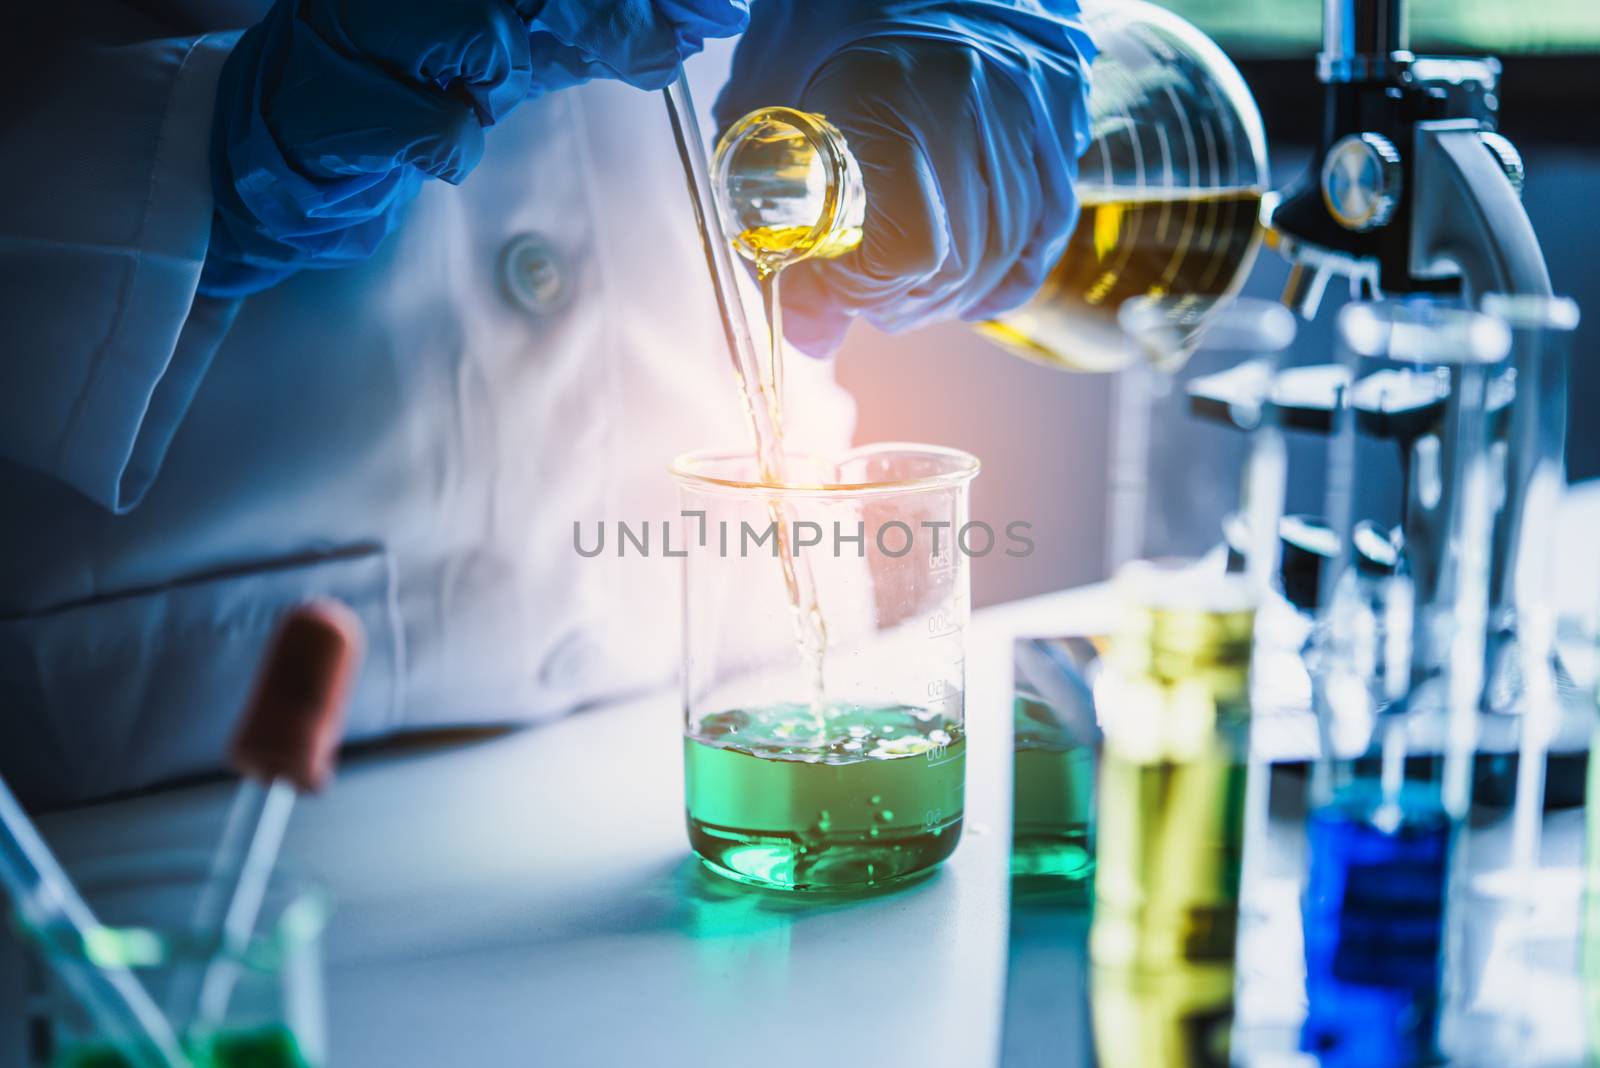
{"x": 528, "y": 898}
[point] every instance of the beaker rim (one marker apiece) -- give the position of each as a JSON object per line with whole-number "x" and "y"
{"x": 958, "y": 468}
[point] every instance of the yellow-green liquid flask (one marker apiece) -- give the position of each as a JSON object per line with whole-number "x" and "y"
{"x": 789, "y": 189}
{"x": 1170, "y": 189}
{"x": 1174, "y": 707}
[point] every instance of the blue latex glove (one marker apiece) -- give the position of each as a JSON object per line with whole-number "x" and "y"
{"x": 641, "y": 42}
{"x": 331, "y": 112}
{"x": 967, "y": 117}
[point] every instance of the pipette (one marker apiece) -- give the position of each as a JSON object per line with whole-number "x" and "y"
{"x": 50, "y": 905}
{"x": 285, "y": 744}
{"x": 760, "y": 405}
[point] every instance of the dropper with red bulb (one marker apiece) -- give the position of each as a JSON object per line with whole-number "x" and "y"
{"x": 286, "y": 743}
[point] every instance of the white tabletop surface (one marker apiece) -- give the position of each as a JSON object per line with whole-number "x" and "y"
{"x": 529, "y": 899}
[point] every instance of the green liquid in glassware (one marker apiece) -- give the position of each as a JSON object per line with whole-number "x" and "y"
{"x": 265, "y": 1047}
{"x": 874, "y": 795}
{"x": 1052, "y": 798}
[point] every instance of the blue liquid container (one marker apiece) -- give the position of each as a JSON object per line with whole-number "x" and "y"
{"x": 1374, "y": 928}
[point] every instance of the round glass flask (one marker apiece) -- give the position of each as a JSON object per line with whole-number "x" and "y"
{"x": 1170, "y": 189}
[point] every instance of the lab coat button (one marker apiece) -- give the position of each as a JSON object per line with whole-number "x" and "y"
{"x": 533, "y": 274}
{"x": 568, "y": 663}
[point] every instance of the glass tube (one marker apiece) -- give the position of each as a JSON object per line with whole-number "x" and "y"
{"x": 1055, "y": 739}
{"x": 1173, "y": 696}
{"x": 1532, "y": 729}
{"x": 275, "y": 1017}
{"x": 1397, "y": 680}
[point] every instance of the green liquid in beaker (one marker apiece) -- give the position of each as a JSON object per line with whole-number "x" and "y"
{"x": 1052, "y": 812}
{"x": 1052, "y": 797}
{"x": 264, "y": 1047}
{"x": 875, "y": 795}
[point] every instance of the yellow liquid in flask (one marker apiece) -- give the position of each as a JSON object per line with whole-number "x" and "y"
{"x": 1179, "y": 243}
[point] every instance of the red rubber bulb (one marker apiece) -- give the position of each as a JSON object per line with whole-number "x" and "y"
{"x": 294, "y": 720}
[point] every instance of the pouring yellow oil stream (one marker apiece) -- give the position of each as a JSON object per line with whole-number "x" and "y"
{"x": 759, "y": 386}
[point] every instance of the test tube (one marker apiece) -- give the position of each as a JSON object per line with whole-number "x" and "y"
{"x": 1055, "y": 739}
{"x": 1173, "y": 697}
{"x": 47, "y": 902}
{"x": 1532, "y": 724}
{"x": 1397, "y": 685}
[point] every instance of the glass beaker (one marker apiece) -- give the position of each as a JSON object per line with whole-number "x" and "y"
{"x": 1398, "y": 676}
{"x": 1170, "y": 188}
{"x": 854, "y": 775}
{"x": 1054, "y": 744}
{"x": 145, "y": 905}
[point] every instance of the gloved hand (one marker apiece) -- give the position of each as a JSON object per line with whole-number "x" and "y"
{"x": 640, "y": 42}
{"x": 967, "y": 117}
{"x": 330, "y": 112}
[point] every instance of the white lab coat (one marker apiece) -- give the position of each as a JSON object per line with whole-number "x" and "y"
{"x": 416, "y": 435}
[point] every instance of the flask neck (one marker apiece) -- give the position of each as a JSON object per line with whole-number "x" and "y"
{"x": 788, "y": 188}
